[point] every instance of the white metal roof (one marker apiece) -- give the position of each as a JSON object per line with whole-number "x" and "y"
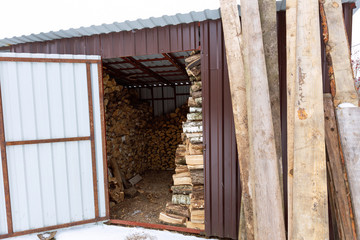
{"x": 127, "y": 25}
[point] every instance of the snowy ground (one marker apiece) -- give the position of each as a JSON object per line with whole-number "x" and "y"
{"x": 104, "y": 232}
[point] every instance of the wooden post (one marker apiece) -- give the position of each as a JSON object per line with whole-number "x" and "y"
{"x": 232, "y": 32}
{"x": 337, "y": 173}
{"x": 310, "y": 202}
{"x": 338, "y": 53}
{"x": 269, "y": 218}
{"x": 290, "y": 95}
{"x": 348, "y": 122}
{"x": 267, "y": 10}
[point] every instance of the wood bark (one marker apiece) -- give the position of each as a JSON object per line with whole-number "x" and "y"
{"x": 348, "y": 122}
{"x": 338, "y": 53}
{"x": 291, "y": 11}
{"x": 269, "y": 219}
{"x": 232, "y": 38}
{"x": 267, "y": 9}
{"x": 337, "y": 173}
{"x": 310, "y": 203}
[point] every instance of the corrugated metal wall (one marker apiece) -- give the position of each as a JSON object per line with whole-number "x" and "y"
{"x": 222, "y": 188}
{"x": 50, "y": 183}
{"x": 127, "y": 43}
{"x": 164, "y": 101}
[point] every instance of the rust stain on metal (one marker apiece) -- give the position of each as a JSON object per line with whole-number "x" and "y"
{"x": 302, "y": 114}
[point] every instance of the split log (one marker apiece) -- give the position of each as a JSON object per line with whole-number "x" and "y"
{"x": 233, "y": 45}
{"x": 179, "y": 210}
{"x": 337, "y": 173}
{"x": 349, "y": 128}
{"x": 117, "y": 174}
{"x": 195, "y": 149}
{"x": 182, "y": 178}
{"x": 197, "y": 177}
{"x": 197, "y": 204}
{"x": 291, "y": 8}
{"x": 193, "y": 225}
{"x": 182, "y": 189}
{"x": 269, "y": 221}
{"x": 180, "y": 199}
{"x": 172, "y": 218}
{"x": 197, "y": 216}
{"x": 310, "y": 202}
{"x": 194, "y": 159}
{"x": 338, "y": 53}
{"x": 181, "y": 169}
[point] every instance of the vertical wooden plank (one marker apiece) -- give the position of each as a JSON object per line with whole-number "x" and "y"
{"x": 234, "y": 54}
{"x": 349, "y": 128}
{"x": 103, "y": 138}
{"x": 337, "y": 172}
{"x": 5, "y": 169}
{"x": 310, "y": 201}
{"x": 338, "y": 53}
{"x": 92, "y": 137}
{"x": 291, "y": 12}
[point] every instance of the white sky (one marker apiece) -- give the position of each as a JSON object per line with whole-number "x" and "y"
{"x": 24, "y": 17}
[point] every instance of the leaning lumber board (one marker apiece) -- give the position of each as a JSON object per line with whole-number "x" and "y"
{"x": 232, "y": 38}
{"x": 310, "y": 204}
{"x": 269, "y": 220}
{"x": 290, "y": 96}
{"x": 338, "y": 53}
{"x": 349, "y": 130}
{"x": 337, "y": 172}
{"x": 267, "y": 9}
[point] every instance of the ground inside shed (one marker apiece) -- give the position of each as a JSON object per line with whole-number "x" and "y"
{"x": 153, "y": 194}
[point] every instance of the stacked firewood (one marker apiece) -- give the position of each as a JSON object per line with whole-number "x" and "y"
{"x": 187, "y": 206}
{"x": 135, "y": 140}
{"x": 127, "y": 121}
{"x": 164, "y": 135}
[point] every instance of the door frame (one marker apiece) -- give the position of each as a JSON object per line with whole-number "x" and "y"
{"x": 4, "y": 144}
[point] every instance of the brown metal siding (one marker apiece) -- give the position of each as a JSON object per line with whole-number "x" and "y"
{"x": 222, "y": 188}
{"x": 127, "y": 43}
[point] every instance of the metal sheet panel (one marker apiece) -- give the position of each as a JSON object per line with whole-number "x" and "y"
{"x": 222, "y": 182}
{"x": 50, "y": 183}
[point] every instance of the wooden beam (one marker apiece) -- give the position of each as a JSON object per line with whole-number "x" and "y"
{"x": 268, "y": 209}
{"x": 134, "y": 62}
{"x": 338, "y": 53}
{"x": 233, "y": 45}
{"x": 337, "y": 172}
{"x": 267, "y": 9}
{"x": 175, "y": 62}
{"x": 310, "y": 202}
{"x": 291, "y": 11}
{"x": 349, "y": 128}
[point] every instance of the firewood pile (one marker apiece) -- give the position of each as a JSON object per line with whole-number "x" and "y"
{"x": 136, "y": 141}
{"x": 163, "y": 137}
{"x": 187, "y": 206}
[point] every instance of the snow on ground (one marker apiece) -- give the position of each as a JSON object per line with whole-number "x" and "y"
{"x": 105, "y": 232}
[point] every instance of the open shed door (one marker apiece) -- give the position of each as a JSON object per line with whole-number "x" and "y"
{"x": 52, "y": 136}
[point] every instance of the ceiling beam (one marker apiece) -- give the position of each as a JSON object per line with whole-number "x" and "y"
{"x": 174, "y": 62}
{"x": 134, "y": 62}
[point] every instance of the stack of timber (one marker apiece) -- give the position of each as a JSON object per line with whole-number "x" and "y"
{"x": 164, "y": 135}
{"x": 136, "y": 141}
{"x": 187, "y": 206}
{"x": 126, "y": 123}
